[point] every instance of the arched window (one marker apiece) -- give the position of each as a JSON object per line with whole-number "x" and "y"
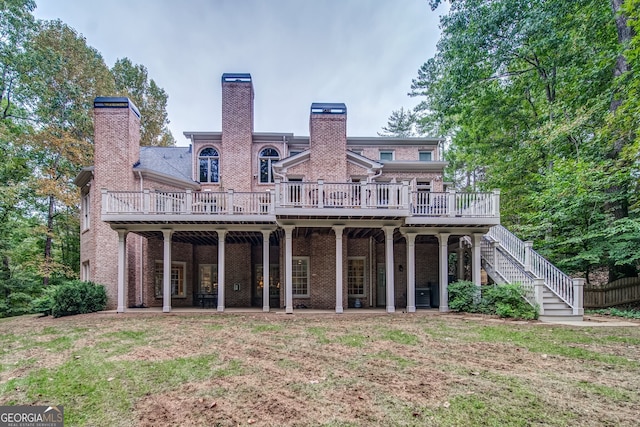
{"x": 209, "y": 165}
{"x": 267, "y": 157}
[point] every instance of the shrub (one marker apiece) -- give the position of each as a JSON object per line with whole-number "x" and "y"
{"x": 503, "y": 300}
{"x": 509, "y": 301}
{"x": 77, "y": 297}
{"x": 463, "y": 296}
{"x": 17, "y": 294}
{"x": 44, "y": 303}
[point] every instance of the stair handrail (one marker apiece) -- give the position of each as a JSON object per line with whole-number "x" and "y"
{"x": 556, "y": 280}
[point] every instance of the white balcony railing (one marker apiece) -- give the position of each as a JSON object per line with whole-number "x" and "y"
{"x": 310, "y": 195}
{"x": 342, "y": 195}
{"x": 185, "y": 203}
{"x": 477, "y": 205}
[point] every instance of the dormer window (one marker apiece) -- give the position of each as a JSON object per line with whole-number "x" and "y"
{"x": 209, "y": 165}
{"x": 267, "y": 157}
{"x": 386, "y": 155}
{"x": 425, "y": 156}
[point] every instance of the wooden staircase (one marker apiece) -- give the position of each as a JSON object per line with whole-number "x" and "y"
{"x": 507, "y": 259}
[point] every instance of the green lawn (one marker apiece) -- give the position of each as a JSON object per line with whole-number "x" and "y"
{"x": 332, "y": 370}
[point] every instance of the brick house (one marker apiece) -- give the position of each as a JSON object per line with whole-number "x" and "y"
{"x": 273, "y": 220}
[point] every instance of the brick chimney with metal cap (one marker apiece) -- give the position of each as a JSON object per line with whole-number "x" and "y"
{"x": 328, "y": 142}
{"x": 237, "y": 131}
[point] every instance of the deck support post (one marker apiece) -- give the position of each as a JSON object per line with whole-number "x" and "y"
{"x": 411, "y": 272}
{"x": 222, "y": 234}
{"x": 265, "y": 270}
{"x": 476, "y": 262}
{"x": 339, "y": 230}
{"x": 288, "y": 268}
{"x": 122, "y": 259}
{"x": 388, "y": 234}
{"x": 443, "y": 239}
{"x": 166, "y": 271}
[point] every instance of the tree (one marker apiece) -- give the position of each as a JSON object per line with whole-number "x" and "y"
{"x": 402, "y": 124}
{"x": 132, "y": 81}
{"x": 523, "y": 90}
{"x": 65, "y": 77}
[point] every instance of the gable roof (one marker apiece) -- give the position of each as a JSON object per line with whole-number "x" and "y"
{"x": 172, "y": 165}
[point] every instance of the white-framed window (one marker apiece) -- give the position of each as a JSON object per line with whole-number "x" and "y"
{"x": 85, "y": 272}
{"x": 86, "y": 211}
{"x": 208, "y": 279}
{"x": 209, "y": 165}
{"x": 425, "y": 156}
{"x": 267, "y": 157}
{"x": 300, "y": 276}
{"x": 356, "y": 276}
{"x": 178, "y": 280}
{"x": 423, "y": 185}
{"x": 386, "y": 155}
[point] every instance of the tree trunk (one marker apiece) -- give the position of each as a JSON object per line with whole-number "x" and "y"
{"x": 48, "y": 243}
{"x": 619, "y": 210}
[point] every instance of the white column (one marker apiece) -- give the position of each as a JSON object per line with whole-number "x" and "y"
{"x": 122, "y": 259}
{"x": 265, "y": 270}
{"x": 444, "y": 271}
{"x": 388, "y": 251}
{"x": 339, "y": 229}
{"x": 411, "y": 272}
{"x": 475, "y": 262}
{"x": 288, "y": 267}
{"x": 222, "y": 234}
{"x": 166, "y": 272}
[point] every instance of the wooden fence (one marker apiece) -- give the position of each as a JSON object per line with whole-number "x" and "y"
{"x": 618, "y": 292}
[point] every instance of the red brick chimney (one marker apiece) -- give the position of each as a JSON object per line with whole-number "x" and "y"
{"x": 328, "y": 142}
{"x": 237, "y": 131}
{"x": 116, "y": 149}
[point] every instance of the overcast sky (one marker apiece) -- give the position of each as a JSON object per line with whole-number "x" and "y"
{"x": 361, "y": 52}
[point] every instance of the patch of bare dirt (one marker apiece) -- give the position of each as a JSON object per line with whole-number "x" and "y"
{"x": 311, "y": 369}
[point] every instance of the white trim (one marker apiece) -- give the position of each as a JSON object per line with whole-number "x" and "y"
{"x": 364, "y": 276}
{"x": 308, "y": 284}
{"x": 179, "y": 264}
{"x": 86, "y": 211}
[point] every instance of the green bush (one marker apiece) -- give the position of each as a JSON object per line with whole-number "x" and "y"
{"x": 626, "y": 313}
{"x": 77, "y": 297}
{"x": 463, "y": 296}
{"x": 503, "y": 300}
{"x": 17, "y": 294}
{"x": 509, "y": 301}
{"x": 44, "y": 303}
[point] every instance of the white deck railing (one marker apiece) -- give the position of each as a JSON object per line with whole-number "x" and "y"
{"x": 185, "y": 203}
{"x": 311, "y": 195}
{"x": 426, "y": 203}
{"x": 522, "y": 256}
{"x": 505, "y": 270}
{"x": 322, "y": 194}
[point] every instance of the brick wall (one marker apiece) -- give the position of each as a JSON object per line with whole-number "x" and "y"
{"x": 238, "y": 271}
